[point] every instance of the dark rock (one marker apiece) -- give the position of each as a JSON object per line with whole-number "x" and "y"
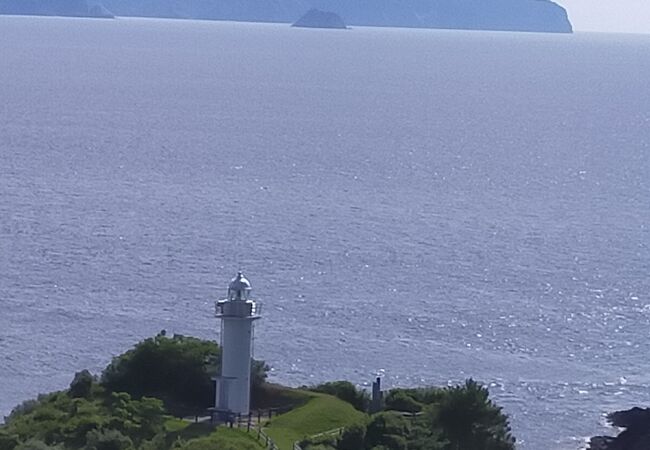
{"x": 632, "y": 418}
{"x": 315, "y": 18}
{"x": 600, "y": 442}
{"x": 636, "y": 435}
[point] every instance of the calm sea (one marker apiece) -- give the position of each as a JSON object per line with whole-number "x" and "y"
{"x": 424, "y": 205}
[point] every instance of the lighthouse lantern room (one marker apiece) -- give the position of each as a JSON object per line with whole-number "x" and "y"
{"x": 237, "y": 314}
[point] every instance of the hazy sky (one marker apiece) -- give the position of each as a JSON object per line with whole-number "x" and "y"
{"x": 628, "y": 16}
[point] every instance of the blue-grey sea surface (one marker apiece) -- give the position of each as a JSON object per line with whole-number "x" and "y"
{"x": 425, "y": 205}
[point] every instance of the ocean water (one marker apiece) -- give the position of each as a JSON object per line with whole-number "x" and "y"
{"x": 425, "y": 205}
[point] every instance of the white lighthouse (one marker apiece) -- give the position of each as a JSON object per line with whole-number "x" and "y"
{"x": 237, "y": 314}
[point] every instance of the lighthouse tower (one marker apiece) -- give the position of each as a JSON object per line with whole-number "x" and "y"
{"x": 237, "y": 314}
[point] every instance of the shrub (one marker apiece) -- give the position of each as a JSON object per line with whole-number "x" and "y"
{"x": 34, "y": 444}
{"x": 107, "y": 440}
{"x": 24, "y": 408}
{"x": 353, "y": 438}
{"x": 394, "y": 442}
{"x": 398, "y": 400}
{"x": 8, "y": 441}
{"x": 319, "y": 442}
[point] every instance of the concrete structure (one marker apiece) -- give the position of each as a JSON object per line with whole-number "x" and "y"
{"x": 237, "y": 314}
{"x": 377, "y": 396}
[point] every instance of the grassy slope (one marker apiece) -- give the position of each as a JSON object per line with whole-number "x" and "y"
{"x": 203, "y": 436}
{"x": 226, "y": 439}
{"x": 321, "y": 413}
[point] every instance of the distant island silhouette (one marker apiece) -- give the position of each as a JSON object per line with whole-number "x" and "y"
{"x": 69, "y": 8}
{"x": 500, "y": 15}
{"x": 315, "y": 18}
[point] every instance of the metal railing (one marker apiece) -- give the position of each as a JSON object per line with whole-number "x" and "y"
{"x": 256, "y": 309}
{"x": 265, "y": 439}
{"x": 256, "y": 431}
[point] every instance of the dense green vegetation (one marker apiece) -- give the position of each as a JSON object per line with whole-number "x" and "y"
{"x": 84, "y": 420}
{"x": 455, "y": 418}
{"x": 88, "y": 416}
{"x": 102, "y": 420}
{"x": 133, "y": 405}
{"x": 173, "y": 370}
{"x": 138, "y": 402}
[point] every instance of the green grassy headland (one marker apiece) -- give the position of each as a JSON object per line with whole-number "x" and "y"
{"x": 320, "y": 413}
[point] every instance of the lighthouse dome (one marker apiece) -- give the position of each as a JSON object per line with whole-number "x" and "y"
{"x": 239, "y": 288}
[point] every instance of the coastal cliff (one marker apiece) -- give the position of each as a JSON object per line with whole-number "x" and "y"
{"x": 503, "y": 15}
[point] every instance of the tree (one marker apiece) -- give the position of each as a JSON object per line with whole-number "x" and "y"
{"x": 353, "y": 438}
{"x": 384, "y": 429}
{"x": 259, "y": 372}
{"x": 469, "y": 420}
{"x": 150, "y": 416}
{"x": 177, "y": 370}
{"x": 81, "y": 385}
{"x": 174, "y": 370}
